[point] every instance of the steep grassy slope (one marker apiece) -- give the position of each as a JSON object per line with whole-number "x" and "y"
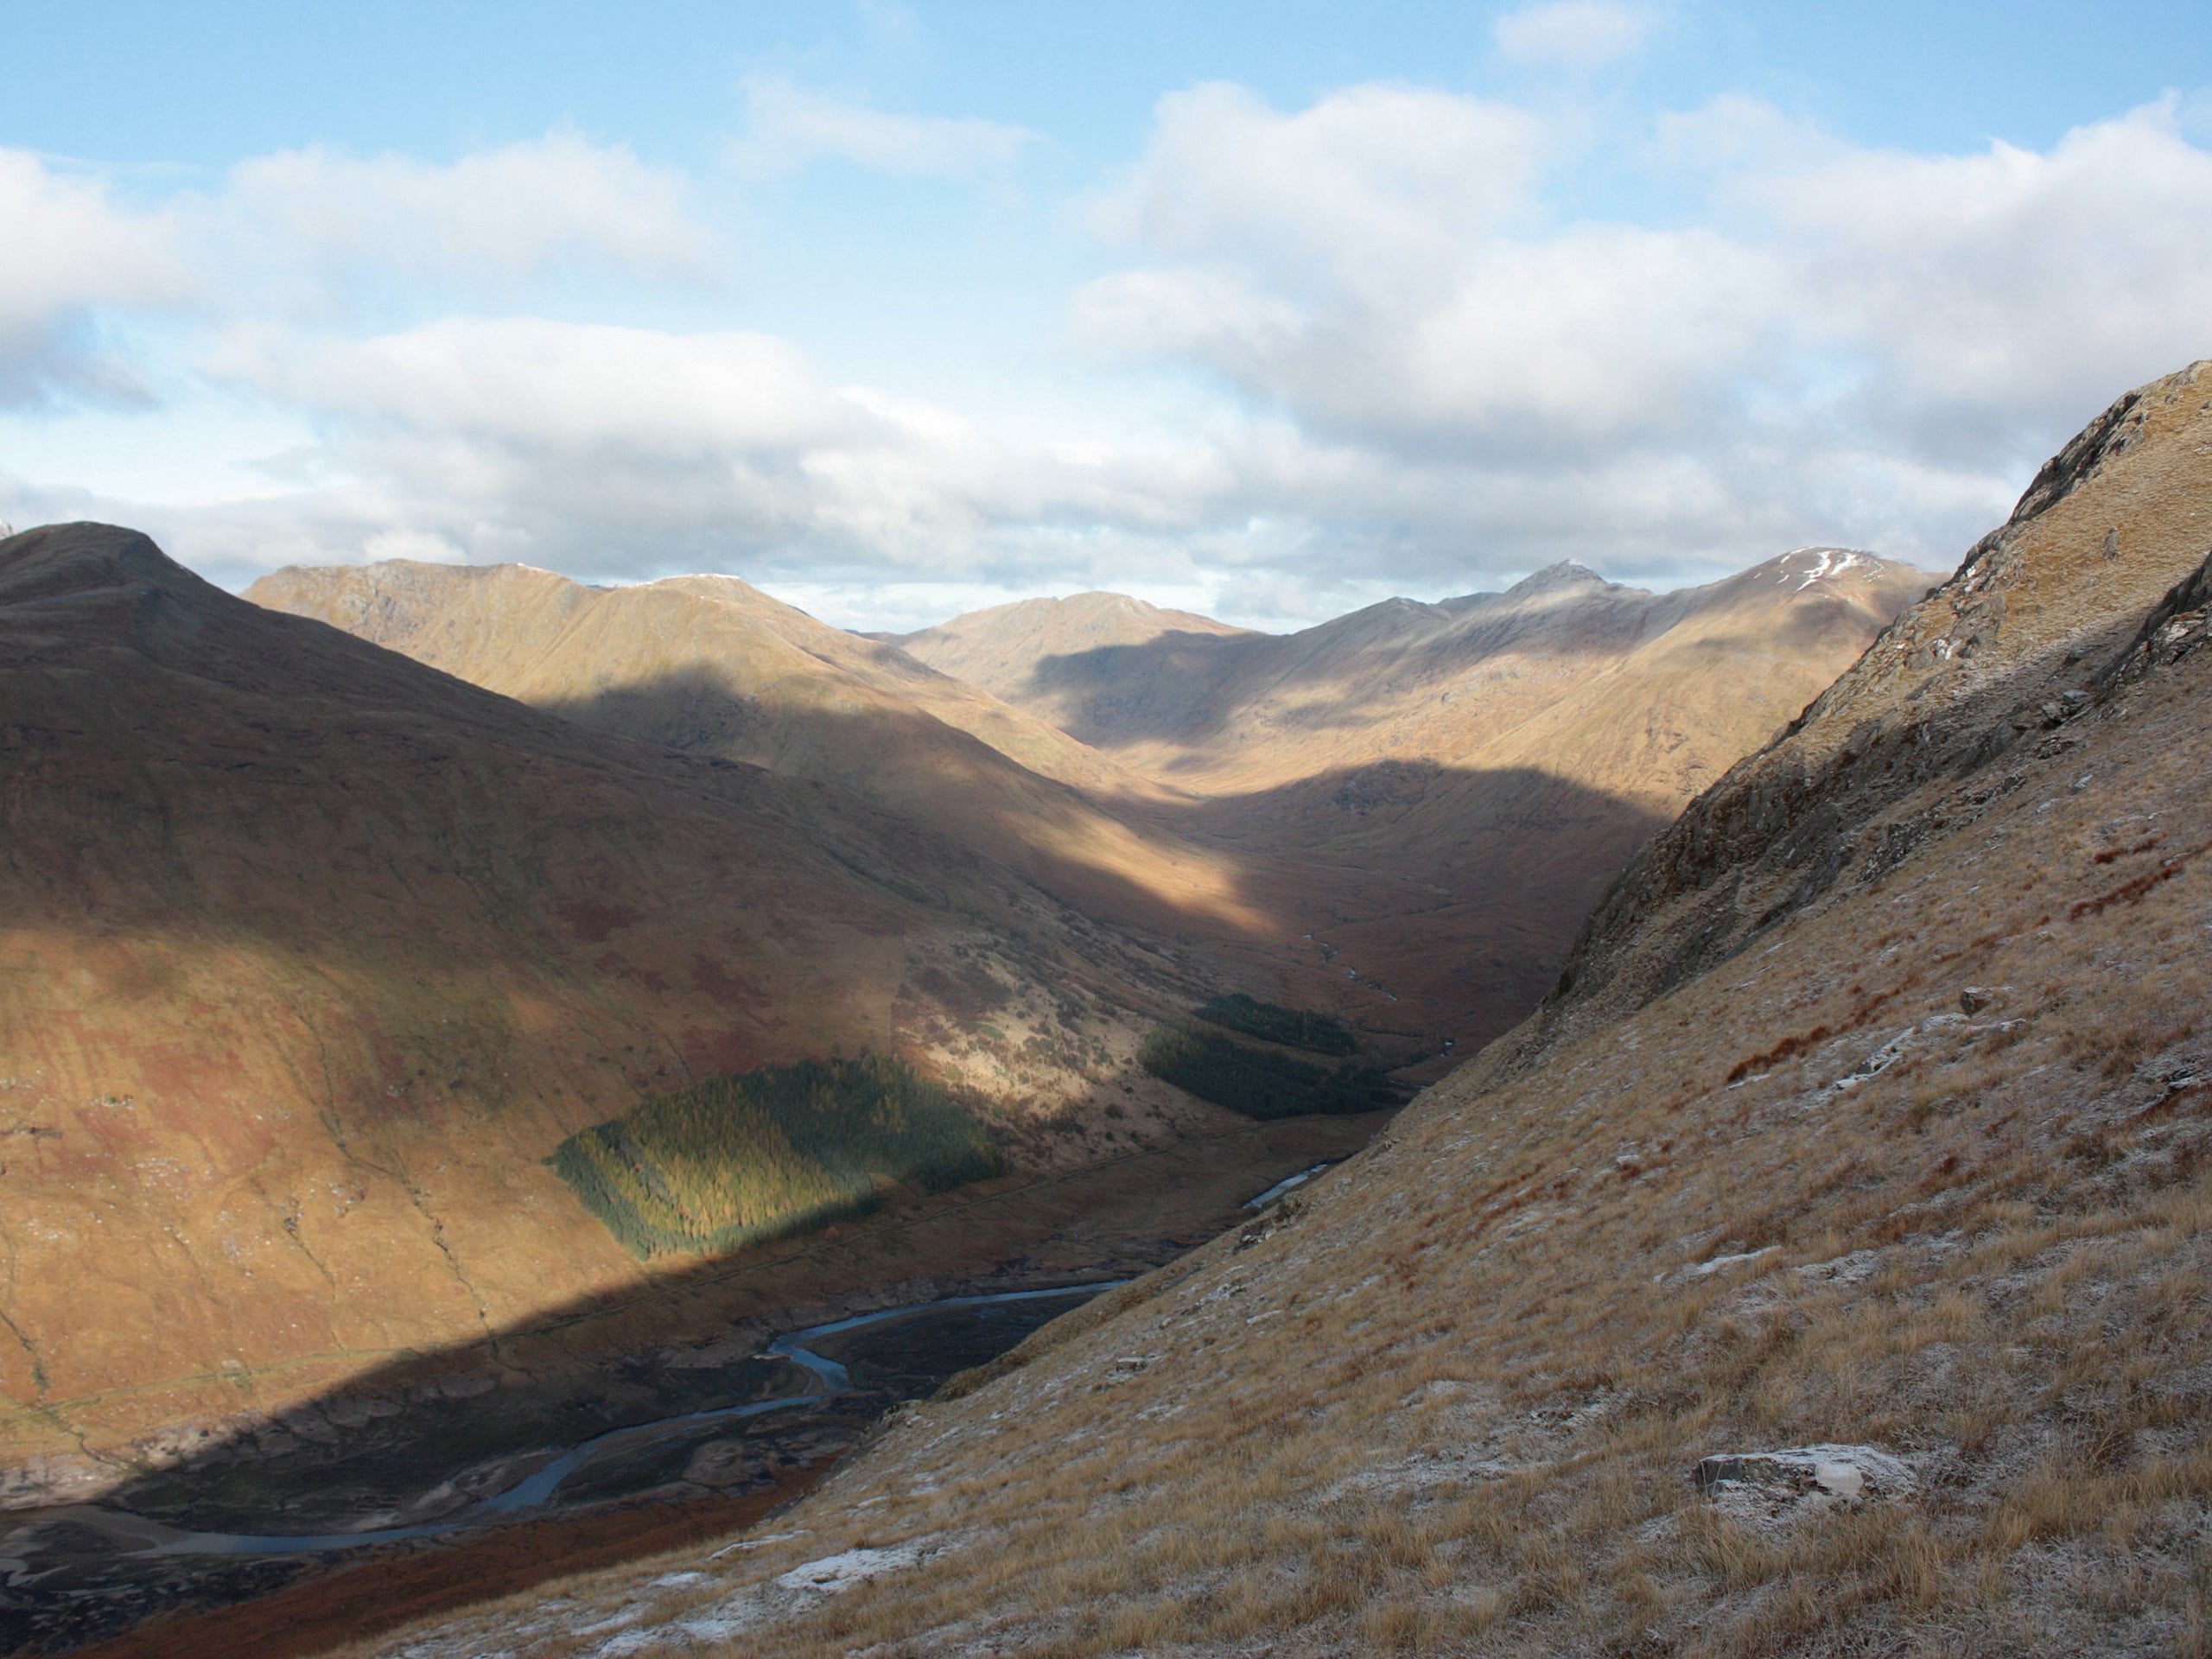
{"x": 1873, "y": 1115}
{"x": 310, "y": 954}
{"x": 711, "y": 667}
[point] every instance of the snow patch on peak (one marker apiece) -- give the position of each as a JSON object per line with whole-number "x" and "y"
{"x": 1808, "y": 565}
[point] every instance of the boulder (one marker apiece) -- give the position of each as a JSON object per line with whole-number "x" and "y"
{"x": 1841, "y": 1473}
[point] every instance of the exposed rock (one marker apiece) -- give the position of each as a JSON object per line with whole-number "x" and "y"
{"x": 1846, "y": 1472}
{"x": 843, "y": 1572}
{"x": 1770, "y": 1491}
{"x": 60, "y": 1477}
{"x": 1975, "y": 998}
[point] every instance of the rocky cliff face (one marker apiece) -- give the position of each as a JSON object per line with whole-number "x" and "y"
{"x": 1821, "y": 1272}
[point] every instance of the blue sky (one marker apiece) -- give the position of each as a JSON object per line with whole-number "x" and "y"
{"x": 1269, "y": 311}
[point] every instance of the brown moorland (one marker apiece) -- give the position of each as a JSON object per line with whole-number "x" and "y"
{"x": 1873, "y": 1116}
{"x": 310, "y": 954}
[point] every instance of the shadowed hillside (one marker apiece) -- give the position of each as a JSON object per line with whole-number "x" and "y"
{"x": 310, "y": 955}
{"x": 709, "y": 666}
{"x": 1051, "y": 656}
{"x": 1822, "y": 1271}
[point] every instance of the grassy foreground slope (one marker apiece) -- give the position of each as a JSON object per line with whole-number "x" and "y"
{"x": 1875, "y": 1110}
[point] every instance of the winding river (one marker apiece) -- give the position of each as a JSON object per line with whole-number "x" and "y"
{"x": 827, "y": 1378}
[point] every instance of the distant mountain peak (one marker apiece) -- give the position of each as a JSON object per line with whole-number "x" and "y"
{"x": 1566, "y": 574}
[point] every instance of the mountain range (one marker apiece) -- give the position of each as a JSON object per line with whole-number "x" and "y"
{"x": 1819, "y": 1269}
{"x": 420, "y": 979}
{"x": 1403, "y": 813}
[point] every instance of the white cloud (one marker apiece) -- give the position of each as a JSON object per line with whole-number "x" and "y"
{"x": 788, "y": 126}
{"x": 635, "y": 451}
{"x": 1573, "y": 34}
{"x": 1856, "y": 344}
{"x": 1375, "y": 185}
{"x": 2006, "y": 285}
{"x": 289, "y": 231}
{"x": 70, "y": 250}
{"x": 504, "y": 214}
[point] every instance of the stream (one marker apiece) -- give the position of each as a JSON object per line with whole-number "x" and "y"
{"x": 70, "y": 1573}
{"x": 830, "y": 1378}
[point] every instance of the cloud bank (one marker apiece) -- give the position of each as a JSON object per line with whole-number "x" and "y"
{"x": 1418, "y": 369}
{"x": 1573, "y": 34}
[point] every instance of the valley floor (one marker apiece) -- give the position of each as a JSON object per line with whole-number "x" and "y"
{"x": 1113, "y": 1219}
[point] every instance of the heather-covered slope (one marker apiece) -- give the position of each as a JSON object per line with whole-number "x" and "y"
{"x": 1870, "y": 1135}
{"x": 309, "y": 956}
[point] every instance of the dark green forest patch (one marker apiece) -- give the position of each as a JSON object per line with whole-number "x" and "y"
{"x": 741, "y": 1160}
{"x": 1305, "y": 1028}
{"x": 1260, "y": 1083}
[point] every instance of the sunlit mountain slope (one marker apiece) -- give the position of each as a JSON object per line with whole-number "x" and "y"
{"x": 711, "y": 667}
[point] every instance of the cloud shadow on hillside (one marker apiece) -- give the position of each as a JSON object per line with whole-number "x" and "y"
{"x": 1159, "y": 689}
{"x": 1479, "y": 873}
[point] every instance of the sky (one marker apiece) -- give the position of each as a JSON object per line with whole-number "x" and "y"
{"x": 1267, "y": 311}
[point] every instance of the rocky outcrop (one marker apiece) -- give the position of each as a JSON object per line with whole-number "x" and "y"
{"x": 1845, "y": 1472}
{"x": 2041, "y": 618}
